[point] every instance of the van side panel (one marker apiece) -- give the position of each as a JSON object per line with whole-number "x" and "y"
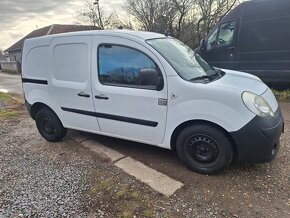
{"x": 35, "y": 60}
{"x": 263, "y": 47}
{"x": 195, "y": 103}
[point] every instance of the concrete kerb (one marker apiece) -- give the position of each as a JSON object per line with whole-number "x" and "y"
{"x": 154, "y": 179}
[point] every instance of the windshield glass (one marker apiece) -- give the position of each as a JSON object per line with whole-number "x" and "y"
{"x": 187, "y": 64}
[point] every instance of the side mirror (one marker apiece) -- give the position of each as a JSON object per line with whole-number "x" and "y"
{"x": 202, "y": 45}
{"x": 151, "y": 77}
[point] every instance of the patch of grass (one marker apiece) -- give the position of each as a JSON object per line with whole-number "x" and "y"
{"x": 106, "y": 184}
{"x": 282, "y": 95}
{"x": 121, "y": 199}
{"x": 13, "y": 105}
{"x": 123, "y": 193}
{"x": 136, "y": 195}
{"x": 8, "y": 113}
{"x": 148, "y": 213}
{"x": 126, "y": 210}
{"x": 6, "y": 97}
{"x": 94, "y": 190}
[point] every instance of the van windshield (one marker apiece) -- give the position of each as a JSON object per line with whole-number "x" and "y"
{"x": 189, "y": 65}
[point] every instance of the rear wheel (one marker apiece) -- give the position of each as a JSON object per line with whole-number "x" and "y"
{"x": 49, "y": 125}
{"x": 204, "y": 148}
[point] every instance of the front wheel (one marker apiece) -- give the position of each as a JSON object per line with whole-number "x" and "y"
{"x": 49, "y": 125}
{"x": 204, "y": 148}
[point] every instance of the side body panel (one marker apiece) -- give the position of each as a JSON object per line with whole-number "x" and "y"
{"x": 201, "y": 102}
{"x": 35, "y": 61}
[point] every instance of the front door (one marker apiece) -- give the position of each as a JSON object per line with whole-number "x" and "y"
{"x": 125, "y": 107}
{"x": 220, "y": 49}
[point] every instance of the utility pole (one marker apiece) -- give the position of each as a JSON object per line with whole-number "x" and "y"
{"x": 99, "y": 13}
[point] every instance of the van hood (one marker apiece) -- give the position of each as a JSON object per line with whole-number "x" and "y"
{"x": 242, "y": 81}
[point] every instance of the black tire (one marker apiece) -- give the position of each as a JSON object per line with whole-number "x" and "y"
{"x": 204, "y": 148}
{"x": 49, "y": 125}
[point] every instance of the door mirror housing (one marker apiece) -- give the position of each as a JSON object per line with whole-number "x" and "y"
{"x": 202, "y": 45}
{"x": 151, "y": 77}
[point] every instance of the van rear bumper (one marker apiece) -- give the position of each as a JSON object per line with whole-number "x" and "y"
{"x": 259, "y": 140}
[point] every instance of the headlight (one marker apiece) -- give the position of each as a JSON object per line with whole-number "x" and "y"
{"x": 257, "y": 104}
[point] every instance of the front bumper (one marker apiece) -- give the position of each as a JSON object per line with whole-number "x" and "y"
{"x": 259, "y": 140}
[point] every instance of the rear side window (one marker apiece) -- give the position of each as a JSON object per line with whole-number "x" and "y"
{"x": 70, "y": 62}
{"x": 36, "y": 62}
{"x": 120, "y": 66}
{"x": 265, "y": 35}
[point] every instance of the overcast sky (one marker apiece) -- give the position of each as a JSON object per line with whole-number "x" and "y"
{"x": 20, "y": 17}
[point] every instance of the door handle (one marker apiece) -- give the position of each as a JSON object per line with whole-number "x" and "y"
{"x": 101, "y": 96}
{"x": 82, "y": 94}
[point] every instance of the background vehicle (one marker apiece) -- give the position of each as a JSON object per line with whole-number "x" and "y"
{"x": 255, "y": 38}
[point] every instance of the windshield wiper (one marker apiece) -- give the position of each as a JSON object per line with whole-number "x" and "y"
{"x": 211, "y": 77}
{"x": 201, "y": 78}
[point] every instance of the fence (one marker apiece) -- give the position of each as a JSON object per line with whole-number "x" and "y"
{"x": 10, "y": 66}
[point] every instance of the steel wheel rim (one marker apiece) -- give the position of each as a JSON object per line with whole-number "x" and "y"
{"x": 48, "y": 126}
{"x": 202, "y": 149}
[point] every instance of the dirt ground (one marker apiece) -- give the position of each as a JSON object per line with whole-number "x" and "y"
{"x": 44, "y": 179}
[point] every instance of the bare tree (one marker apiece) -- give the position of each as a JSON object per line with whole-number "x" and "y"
{"x": 145, "y": 12}
{"x": 182, "y": 7}
{"x": 159, "y": 15}
{"x": 93, "y": 14}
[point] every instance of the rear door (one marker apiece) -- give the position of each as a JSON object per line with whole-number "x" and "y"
{"x": 125, "y": 108}
{"x": 220, "y": 47}
{"x": 69, "y": 82}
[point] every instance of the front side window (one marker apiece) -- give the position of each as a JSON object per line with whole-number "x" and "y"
{"x": 122, "y": 66}
{"x": 212, "y": 39}
{"x": 226, "y": 33}
{"x": 222, "y": 36}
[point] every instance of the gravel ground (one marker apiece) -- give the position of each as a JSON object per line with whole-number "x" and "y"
{"x": 32, "y": 183}
{"x": 41, "y": 179}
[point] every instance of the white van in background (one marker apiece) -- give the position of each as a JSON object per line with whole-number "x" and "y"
{"x": 153, "y": 89}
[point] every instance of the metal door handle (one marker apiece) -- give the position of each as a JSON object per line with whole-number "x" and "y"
{"x": 82, "y": 94}
{"x": 101, "y": 96}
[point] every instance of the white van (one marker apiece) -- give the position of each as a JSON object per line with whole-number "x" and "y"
{"x": 153, "y": 89}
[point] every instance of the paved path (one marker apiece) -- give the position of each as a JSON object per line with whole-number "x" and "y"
{"x": 10, "y": 83}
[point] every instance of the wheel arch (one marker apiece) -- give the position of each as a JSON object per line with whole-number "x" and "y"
{"x": 185, "y": 124}
{"x": 36, "y": 107}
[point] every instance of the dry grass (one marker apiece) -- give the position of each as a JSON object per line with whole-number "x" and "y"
{"x": 282, "y": 95}
{"x": 13, "y": 105}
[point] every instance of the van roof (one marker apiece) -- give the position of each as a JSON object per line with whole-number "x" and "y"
{"x": 141, "y": 35}
{"x": 258, "y": 8}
